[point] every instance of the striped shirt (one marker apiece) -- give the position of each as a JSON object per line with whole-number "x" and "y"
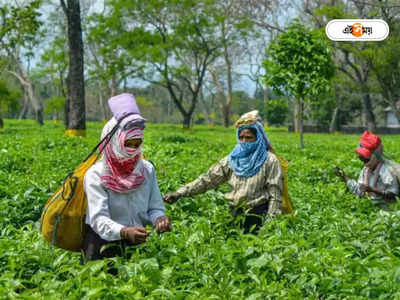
{"x": 385, "y": 182}
{"x": 264, "y": 187}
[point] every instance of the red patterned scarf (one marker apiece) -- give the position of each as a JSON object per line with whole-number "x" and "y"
{"x": 124, "y": 169}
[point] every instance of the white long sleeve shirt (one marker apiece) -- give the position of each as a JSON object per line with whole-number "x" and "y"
{"x": 109, "y": 211}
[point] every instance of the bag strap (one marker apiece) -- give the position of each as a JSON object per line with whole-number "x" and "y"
{"x": 107, "y": 138}
{"x": 73, "y": 181}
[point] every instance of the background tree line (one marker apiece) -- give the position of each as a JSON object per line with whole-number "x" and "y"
{"x": 194, "y": 62}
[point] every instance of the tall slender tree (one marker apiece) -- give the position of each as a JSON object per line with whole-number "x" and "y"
{"x": 75, "y": 101}
{"x": 299, "y": 62}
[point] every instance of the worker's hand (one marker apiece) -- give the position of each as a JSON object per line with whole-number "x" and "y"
{"x": 339, "y": 172}
{"x": 134, "y": 234}
{"x": 171, "y": 198}
{"x": 163, "y": 224}
{"x": 365, "y": 188}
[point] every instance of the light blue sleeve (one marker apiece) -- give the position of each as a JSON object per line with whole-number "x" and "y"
{"x": 156, "y": 206}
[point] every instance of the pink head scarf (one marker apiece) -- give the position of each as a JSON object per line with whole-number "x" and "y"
{"x": 123, "y": 166}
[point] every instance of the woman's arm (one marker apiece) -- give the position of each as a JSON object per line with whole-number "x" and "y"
{"x": 218, "y": 174}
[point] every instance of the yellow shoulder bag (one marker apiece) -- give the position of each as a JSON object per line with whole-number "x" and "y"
{"x": 63, "y": 216}
{"x": 287, "y": 206}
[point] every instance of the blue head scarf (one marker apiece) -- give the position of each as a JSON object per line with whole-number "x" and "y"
{"x": 247, "y": 158}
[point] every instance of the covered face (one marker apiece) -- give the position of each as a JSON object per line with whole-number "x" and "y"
{"x": 370, "y": 149}
{"x": 249, "y": 154}
{"x": 123, "y": 164}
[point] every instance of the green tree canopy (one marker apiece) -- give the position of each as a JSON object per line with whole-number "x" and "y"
{"x": 173, "y": 40}
{"x": 9, "y": 103}
{"x": 275, "y": 111}
{"x": 299, "y": 63}
{"x": 55, "y": 106}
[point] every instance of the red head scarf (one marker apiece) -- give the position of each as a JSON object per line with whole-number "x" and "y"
{"x": 368, "y": 144}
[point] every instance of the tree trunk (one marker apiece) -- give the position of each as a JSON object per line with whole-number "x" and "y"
{"x": 101, "y": 102}
{"x": 75, "y": 100}
{"x": 29, "y": 94}
{"x": 297, "y": 116}
{"x": 125, "y": 85}
{"x": 266, "y": 95}
{"x": 208, "y": 118}
{"x": 25, "y": 106}
{"x": 187, "y": 120}
{"x": 66, "y": 111}
{"x": 169, "y": 109}
{"x": 228, "y": 102}
{"x": 23, "y": 77}
{"x": 205, "y": 111}
{"x": 39, "y": 116}
{"x": 368, "y": 112}
{"x": 334, "y": 126}
{"x": 391, "y": 100}
{"x": 113, "y": 86}
{"x": 300, "y": 118}
{"x": 1, "y": 123}
{"x": 37, "y": 106}
{"x": 226, "y": 109}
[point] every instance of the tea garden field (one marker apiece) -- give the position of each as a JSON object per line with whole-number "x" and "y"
{"x": 335, "y": 245}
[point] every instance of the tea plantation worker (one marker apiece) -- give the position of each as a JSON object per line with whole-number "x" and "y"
{"x": 122, "y": 189}
{"x": 251, "y": 169}
{"x": 378, "y": 176}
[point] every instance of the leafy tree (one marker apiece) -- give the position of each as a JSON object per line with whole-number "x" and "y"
{"x": 299, "y": 63}
{"x": 55, "y": 107}
{"x": 19, "y": 30}
{"x": 55, "y": 64}
{"x": 242, "y": 103}
{"x": 158, "y": 104}
{"x": 344, "y": 103}
{"x": 351, "y": 58}
{"x": 384, "y": 59}
{"x": 275, "y": 111}
{"x": 8, "y": 100}
{"x": 233, "y": 25}
{"x": 174, "y": 40}
{"x": 109, "y": 65}
{"x": 50, "y": 75}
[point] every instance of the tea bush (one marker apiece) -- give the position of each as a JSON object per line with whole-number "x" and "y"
{"x": 334, "y": 246}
